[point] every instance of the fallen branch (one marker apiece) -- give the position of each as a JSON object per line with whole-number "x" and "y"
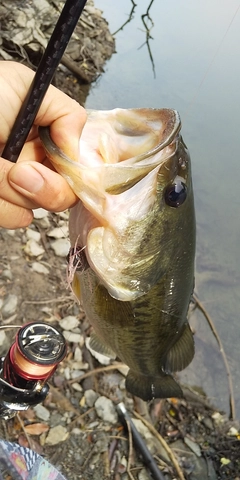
{"x": 163, "y": 443}
{"x": 200, "y": 306}
{"x": 96, "y": 371}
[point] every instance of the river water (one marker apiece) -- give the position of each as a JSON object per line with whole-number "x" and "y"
{"x": 195, "y": 47}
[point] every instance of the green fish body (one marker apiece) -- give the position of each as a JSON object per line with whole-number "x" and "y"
{"x": 135, "y": 226}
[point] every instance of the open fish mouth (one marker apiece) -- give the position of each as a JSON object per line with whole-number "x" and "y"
{"x": 125, "y": 158}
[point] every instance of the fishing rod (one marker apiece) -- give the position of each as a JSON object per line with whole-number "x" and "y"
{"x": 51, "y": 58}
{"x": 31, "y": 360}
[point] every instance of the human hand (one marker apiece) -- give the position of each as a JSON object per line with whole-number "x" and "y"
{"x": 32, "y": 182}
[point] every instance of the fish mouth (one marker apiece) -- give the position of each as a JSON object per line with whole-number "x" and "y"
{"x": 117, "y": 148}
{"x": 125, "y": 157}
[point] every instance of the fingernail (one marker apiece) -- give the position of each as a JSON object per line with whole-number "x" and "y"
{"x": 25, "y": 177}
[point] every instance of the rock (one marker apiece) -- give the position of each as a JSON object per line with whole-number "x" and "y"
{"x": 69, "y": 322}
{"x": 197, "y": 467}
{"x": 11, "y": 233}
{"x": 56, "y": 435}
{"x": 208, "y": 423}
{"x": 67, "y": 373}
{"x": 76, "y": 374}
{"x": 3, "y": 337}
{"x": 78, "y": 357}
{"x": 42, "y": 412}
{"x": 193, "y": 446}
{"x": 63, "y": 215}
{"x": 39, "y": 268}
{"x": 144, "y": 475}
{"x": 33, "y": 249}
{"x": 61, "y": 247}
{"x": 72, "y": 337}
{"x": 40, "y": 213}
{"x": 33, "y": 234}
{"x": 59, "y": 232}
{"x": 76, "y": 386}
{"x": 90, "y": 397}
{"x": 105, "y": 410}
{"x": 9, "y": 305}
{"x": 7, "y": 274}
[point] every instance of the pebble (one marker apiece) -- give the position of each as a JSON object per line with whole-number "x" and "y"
{"x": 33, "y": 249}
{"x": 7, "y": 274}
{"x": 59, "y": 232}
{"x": 11, "y": 233}
{"x": 3, "y": 337}
{"x": 76, "y": 386}
{"x": 76, "y": 431}
{"x": 40, "y": 213}
{"x": 69, "y": 322}
{"x": 42, "y": 412}
{"x": 90, "y": 397}
{"x": 193, "y": 446}
{"x": 9, "y": 305}
{"x": 199, "y": 468}
{"x": 56, "y": 435}
{"x": 40, "y": 268}
{"x": 78, "y": 357}
{"x": 67, "y": 373}
{"x": 144, "y": 475}
{"x": 105, "y": 410}
{"x": 33, "y": 235}
{"x": 72, "y": 337}
{"x": 233, "y": 432}
{"x": 64, "y": 215}
{"x": 61, "y": 247}
{"x": 76, "y": 373}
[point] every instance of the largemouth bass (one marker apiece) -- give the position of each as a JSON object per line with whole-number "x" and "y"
{"x": 133, "y": 241}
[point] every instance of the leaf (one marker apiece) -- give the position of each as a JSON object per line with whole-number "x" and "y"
{"x": 225, "y": 461}
{"x": 36, "y": 428}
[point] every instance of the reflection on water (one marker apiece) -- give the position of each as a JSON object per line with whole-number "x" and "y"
{"x": 130, "y": 17}
{"x": 148, "y": 25}
{"x": 195, "y": 47}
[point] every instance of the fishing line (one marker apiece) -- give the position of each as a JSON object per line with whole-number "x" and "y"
{"x": 195, "y": 95}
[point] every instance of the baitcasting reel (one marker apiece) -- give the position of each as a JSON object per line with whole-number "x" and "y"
{"x": 29, "y": 363}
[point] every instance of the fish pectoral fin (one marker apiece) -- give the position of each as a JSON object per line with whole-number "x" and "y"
{"x": 76, "y": 287}
{"x": 181, "y": 353}
{"x": 148, "y": 387}
{"x": 96, "y": 344}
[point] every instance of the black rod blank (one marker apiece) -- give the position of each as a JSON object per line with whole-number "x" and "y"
{"x": 43, "y": 77}
{"x": 147, "y": 458}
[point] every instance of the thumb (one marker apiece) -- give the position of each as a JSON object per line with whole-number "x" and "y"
{"x": 44, "y": 187}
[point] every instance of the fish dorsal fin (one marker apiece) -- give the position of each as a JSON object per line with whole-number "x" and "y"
{"x": 96, "y": 344}
{"x": 181, "y": 353}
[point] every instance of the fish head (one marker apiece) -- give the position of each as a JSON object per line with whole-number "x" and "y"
{"x": 133, "y": 181}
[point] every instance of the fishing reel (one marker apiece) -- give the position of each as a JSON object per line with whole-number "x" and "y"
{"x": 31, "y": 360}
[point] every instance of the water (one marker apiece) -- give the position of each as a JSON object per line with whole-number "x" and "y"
{"x": 196, "y": 51}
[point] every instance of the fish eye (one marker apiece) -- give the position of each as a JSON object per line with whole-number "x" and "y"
{"x": 175, "y": 194}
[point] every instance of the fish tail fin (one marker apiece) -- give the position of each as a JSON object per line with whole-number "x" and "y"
{"x": 181, "y": 353}
{"x": 148, "y": 387}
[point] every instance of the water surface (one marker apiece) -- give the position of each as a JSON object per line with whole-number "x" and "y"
{"x": 196, "y": 49}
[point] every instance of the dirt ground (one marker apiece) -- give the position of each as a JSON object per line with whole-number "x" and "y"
{"x": 77, "y": 427}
